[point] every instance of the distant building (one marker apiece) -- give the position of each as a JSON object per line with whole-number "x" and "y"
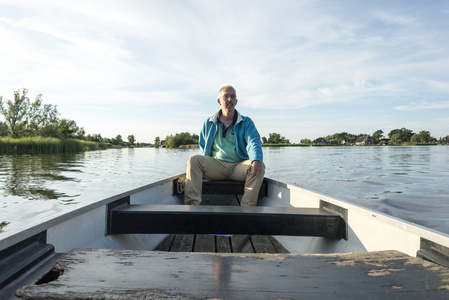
{"x": 319, "y": 142}
{"x": 346, "y": 142}
{"x": 365, "y": 140}
{"x": 384, "y": 142}
{"x": 445, "y": 140}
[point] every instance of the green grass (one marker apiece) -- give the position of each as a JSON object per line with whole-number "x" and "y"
{"x": 34, "y": 145}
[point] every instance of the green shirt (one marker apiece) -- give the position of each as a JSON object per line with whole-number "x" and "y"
{"x": 224, "y": 144}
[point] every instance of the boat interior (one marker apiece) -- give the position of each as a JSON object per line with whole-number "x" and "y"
{"x": 294, "y": 244}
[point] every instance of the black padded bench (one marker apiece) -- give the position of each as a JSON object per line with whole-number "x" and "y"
{"x": 205, "y": 219}
{"x": 224, "y": 187}
{"x": 222, "y": 192}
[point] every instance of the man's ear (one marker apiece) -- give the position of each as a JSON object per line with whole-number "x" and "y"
{"x": 218, "y": 101}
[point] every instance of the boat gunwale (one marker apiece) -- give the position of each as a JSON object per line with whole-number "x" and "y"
{"x": 420, "y": 230}
{"x": 15, "y": 236}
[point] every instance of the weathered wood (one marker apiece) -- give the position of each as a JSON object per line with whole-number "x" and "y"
{"x": 204, "y": 243}
{"x": 165, "y": 245}
{"x": 278, "y": 246}
{"x": 207, "y": 219}
{"x": 262, "y": 244}
{"x": 183, "y": 243}
{"x": 223, "y": 244}
{"x": 125, "y": 274}
{"x": 242, "y": 244}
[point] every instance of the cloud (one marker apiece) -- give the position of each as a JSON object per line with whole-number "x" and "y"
{"x": 169, "y": 57}
{"x": 424, "y": 105}
{"x": 393, "y": 18}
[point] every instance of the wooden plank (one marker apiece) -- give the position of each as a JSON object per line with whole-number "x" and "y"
{"x": 223, "y": 244}
{"x": 166, "y": 243}
{"x": 183, "y": 243}
{"x": 204, "y": 243}
{"x": 278, "y": 246}
{"x": 125, "y": 274}
{"x": 262, "y": 244}
{"x": 241, "y": 244}
{"x": 207, "y": 219}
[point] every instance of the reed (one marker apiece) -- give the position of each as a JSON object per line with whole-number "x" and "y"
{"x": 34, "y": 145}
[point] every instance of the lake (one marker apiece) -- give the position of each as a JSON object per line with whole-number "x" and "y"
{"x": 410, "y": 183}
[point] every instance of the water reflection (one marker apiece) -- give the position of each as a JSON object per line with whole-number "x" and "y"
{"x": 31, "y": 176}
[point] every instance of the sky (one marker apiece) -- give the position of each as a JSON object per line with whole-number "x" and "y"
{"x": 304, "y": 69}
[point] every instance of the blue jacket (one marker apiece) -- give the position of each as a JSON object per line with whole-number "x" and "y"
{"x": 247, "y": 138}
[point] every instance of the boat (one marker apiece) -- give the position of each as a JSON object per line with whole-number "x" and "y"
{"x": 296, "y": 244}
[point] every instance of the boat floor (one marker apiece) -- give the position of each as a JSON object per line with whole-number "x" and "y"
{"x": 128, "y": 274}
{"x": 220, "y": 244}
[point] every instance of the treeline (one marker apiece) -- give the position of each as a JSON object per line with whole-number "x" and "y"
{"x": 30, "y": 124}
{"x": 396, "y": 137}
{"x": 275, "y": 138}
{"x": 187, "y": 140}
{"x": 178, "y": 140}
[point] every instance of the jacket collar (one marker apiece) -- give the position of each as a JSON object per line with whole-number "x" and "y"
{"x": 215, "y": 116}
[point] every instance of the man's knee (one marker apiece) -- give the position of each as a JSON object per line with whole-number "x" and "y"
{"x": 194, "y": 160}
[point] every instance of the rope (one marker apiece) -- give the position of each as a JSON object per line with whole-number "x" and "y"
{"x": 180, "y": 185}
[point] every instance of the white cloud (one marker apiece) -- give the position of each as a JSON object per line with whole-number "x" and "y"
{"x": 171, "y": 56}
{"x": 393, "y": 18}
{"x": 424, "y": 105}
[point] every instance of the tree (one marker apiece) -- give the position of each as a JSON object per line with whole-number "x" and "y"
{"x": 306, "y": 142}
{"x": 333, "y": 142}
{"x": 157, "y": 141}
{"x": 4, "y": 130}
{"x": 404, "y": 134}
{"x": 423, "y": 136}
{"x": 395, "y": 138}
{"x": 184, "y": 138}
{"x": 26, "y": 118}
{"x": 118, "y": 140}
{"x": 68, "y": 128}
{"x": 276, "y": 138}
{"x": 131, "y": 139}
{"x": 264, "y": 140}
{"x": 16, "y": 113}
{"x": 378, "y": 135}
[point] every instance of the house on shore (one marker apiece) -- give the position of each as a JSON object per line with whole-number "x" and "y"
{"x": 319, "y": 142}
{"x": 365, "y": 140}
{"x": 445, "y": 140}
{"x": 346, "y": 142}
{"x": 384, "y": 142}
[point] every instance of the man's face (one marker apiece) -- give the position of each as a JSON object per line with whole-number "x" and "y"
{"x": 228, "y": 99}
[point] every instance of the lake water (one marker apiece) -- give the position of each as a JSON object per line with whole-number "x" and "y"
{"x": 410, "y": 183}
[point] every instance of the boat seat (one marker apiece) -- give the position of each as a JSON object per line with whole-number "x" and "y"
{"x": 209, "y": 219}
{"x": 222, "y": 187}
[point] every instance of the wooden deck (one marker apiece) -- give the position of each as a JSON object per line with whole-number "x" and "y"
{"x": 221, "y": 244}
{"x": 126, "y": 274}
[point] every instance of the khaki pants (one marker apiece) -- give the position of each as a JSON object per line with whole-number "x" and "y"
{"x": 199, "y": 166}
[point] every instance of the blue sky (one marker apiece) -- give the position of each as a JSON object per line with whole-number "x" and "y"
{"x": 304, "y": 69}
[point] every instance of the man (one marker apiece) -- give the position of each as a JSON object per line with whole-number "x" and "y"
{"x": 232, "y": 150}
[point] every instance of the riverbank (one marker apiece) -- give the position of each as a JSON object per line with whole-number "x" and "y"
{"x": 285, "y": 145}
{"x": 42, "y": 145}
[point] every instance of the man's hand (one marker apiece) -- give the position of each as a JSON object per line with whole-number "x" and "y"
{"x": 256, "y": 168}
